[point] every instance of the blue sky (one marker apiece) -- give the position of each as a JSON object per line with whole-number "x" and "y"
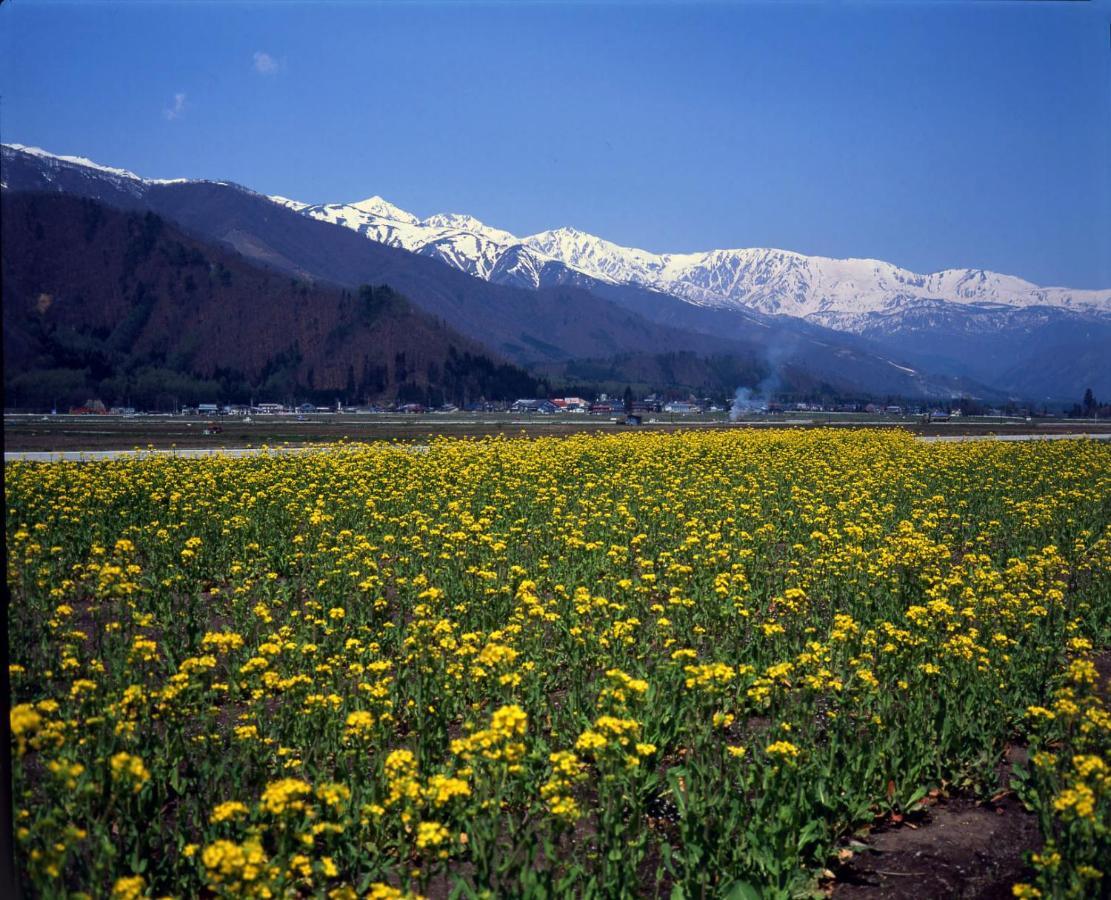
{"x": 932, "y": 135}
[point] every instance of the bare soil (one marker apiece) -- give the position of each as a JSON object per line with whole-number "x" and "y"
{"x": 958, "y": 849}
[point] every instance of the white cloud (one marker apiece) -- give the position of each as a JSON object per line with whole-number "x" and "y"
{"x": 178, "y": 107}
{"x": 265, "y": 64}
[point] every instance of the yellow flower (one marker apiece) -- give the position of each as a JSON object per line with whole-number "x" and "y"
{"x": 783, "y": 749}
{"x": 1089, "y": 765}
{"x": 232, "y": 864}
{"x": 332, "y": 794}
{"x": 285, "y": 794}
{"x": 230, "y": 809}
{"x": 400, "y": 762}
{"x": 564, "y": 807}
{"x": 360, "y": 724}
{"x": 1078, "y": 801}
{"x": 129, "y": 887}
{"x": 222, "y": 641}
{"x": 128, "y": 768}
{"x": 589, "y": 741}
{"x": 24, "y": 722}
{"x": 431, "y": 834}
{"x": 509, "y": 720}
{"x": 442, "y": 789}
{"x": 379, "y": 891}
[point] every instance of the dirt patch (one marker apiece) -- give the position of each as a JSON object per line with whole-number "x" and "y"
{"x": 958, "y": 849}
{"x": 1102, "y": 662}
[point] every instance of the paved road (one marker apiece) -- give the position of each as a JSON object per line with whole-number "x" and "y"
{"x": 100, "y": 455}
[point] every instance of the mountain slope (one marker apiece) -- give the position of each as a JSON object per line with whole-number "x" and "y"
{"x": 782, "y": 282}
{"x": 965, "y": 323}
{"x": 779, "y": 282}
{"x": 112, "y": 304}
{"x": 975, "y": 324}
{"x": 579, "y": 317}
{"x": 526, "y": 325}
{"x": 1037, "y": 352}
{"x": 767, "y": 280}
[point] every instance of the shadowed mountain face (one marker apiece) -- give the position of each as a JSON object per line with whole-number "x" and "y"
{"x": 124, "y": 305}
{"x": 1037, "y": 342}
{"x": 559, "y": 323}
{"x": 545, "y": 327}
{"x": 1036, "y": 352}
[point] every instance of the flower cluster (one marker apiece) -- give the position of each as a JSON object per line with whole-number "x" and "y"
{"x": 369, "y": 671}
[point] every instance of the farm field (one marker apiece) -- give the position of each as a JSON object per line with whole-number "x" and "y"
{"x": 64, "y": 433}
{"x": 691, "y": 664}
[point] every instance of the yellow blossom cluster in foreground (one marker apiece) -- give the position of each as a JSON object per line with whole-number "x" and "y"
{"x": 603, "y": 665}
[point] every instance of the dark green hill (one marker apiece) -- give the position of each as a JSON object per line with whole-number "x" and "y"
{"x": 124, "y": 306}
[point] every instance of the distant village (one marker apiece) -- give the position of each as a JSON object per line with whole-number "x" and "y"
{"x": 633, "y": 409}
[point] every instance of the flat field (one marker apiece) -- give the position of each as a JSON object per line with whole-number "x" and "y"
{"x": 709, "y": 663}
{"x": 64, "y": 433}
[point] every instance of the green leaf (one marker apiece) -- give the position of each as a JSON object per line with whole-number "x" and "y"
{"x": 918, "y": 794}
{"x": 741, "y": 890}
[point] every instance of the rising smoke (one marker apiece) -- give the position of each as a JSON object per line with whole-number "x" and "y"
{"x": 749, "y": 400}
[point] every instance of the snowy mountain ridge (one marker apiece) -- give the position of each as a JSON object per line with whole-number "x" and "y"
{"x": 89, "y": 164}
{"x": 845, "y": 294}
{"x": 974, "y": 330}
{"x": 840, "y": 293}
{"x": 458, "y": 240}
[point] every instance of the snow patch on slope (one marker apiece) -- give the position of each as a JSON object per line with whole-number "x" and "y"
{"x": 458, "y": 240}
{"x": 89, "y": 164}
{"x": 839, "y": 293}
{"x": 846, "y": 294}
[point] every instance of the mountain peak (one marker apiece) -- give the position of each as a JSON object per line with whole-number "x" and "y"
{"x": 568, "y": 235}
{"x": 570, "y": 231}
{"x": 379, "y": 206}
{"x": 454, "y": 220}
{"x": 469, "y": 224}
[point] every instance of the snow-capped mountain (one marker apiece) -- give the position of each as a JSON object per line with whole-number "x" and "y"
{"x": 858, "y": 295}
{"x": 78, "y": 175}
{"x": 459, "y": 240}
{"x": 829, "y": 291}
{"x": 53, "y": 160}
{"x": 846, "y": 294}
{"x": 589, "y": 298}
{"x": 62, "y": 166}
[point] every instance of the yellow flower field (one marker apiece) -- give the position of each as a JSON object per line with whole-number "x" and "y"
{"x": 640, "y": 664}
